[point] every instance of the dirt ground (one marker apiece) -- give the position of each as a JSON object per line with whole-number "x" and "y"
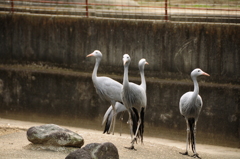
{"x": 14, "y": 145}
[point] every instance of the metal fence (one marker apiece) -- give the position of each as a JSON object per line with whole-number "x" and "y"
{"x": 224, "y": 11}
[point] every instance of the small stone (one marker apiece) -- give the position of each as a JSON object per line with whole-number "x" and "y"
{"x": 52, "y": 134}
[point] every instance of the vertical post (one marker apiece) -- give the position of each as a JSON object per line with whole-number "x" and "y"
{"x": 87, "y": 8}
{"x": 12, "y": 6}
{"x": 166, "y": 14}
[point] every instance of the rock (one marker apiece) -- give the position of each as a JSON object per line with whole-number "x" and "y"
{"x": 105, "y": 150}
{"x": 52, "y": 134}
{"x": 79, "y": 154}
{"x": 44, "y": 147}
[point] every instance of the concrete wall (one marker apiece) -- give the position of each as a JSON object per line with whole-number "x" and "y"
{"x": 172, "y": 49}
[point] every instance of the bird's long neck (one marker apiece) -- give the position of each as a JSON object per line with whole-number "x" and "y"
{"x": 94, "y": 74}
{"x": 196, "y": 89}
{"x": 125, "y": 77}
{"x": 143, "y": 81}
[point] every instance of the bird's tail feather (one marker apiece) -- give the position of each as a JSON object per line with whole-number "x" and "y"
{"x": 191, "y": 122}
{"x": 108, "y": 122}
{"x": 141, "y": 128}
{"x": 106, "y": 115}
{"x": 134, "y": 115}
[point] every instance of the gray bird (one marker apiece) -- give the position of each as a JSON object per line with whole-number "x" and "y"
{"x": 119, "y": 107}
{"x": 106, "y": 87}
{"x": 190, "y": 105}
{"x": 135, "y": 100}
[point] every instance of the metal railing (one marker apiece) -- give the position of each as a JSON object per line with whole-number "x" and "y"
{"x": 175, "y": 10}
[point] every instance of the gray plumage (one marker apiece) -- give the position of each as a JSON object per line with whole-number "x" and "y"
{"x": 109, "y": 115}
{"x": 141, "y": 65}
{"x": 135, "y": 100}
{"x": 190, "y": 106}
{"x": 106, "y": 87}
{"x": 119, "y": 106}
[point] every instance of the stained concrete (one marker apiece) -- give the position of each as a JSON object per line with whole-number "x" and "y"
{"x": 172, "y": 49}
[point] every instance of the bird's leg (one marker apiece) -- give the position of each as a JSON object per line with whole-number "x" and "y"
{"x": 114, "y": 121}
{"x": 121, "y": 118}
{"x": 111, "y": 125}
{"x": 196, "y": 155}
{"x": 135, "y": 136}
{"x": 114, "y": 117}
{"x": 130, "y": 125}
{"x": 187, "y": 141}
{"x": 131, "y": 132}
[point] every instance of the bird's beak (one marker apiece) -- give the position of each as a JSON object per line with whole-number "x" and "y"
{"x": 89, "y": 55}
{"x": 205, "y": 74}
{"x": 146, "y": 63}
{"x": 124, "y": 61}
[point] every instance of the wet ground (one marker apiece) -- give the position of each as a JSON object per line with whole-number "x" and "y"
{"x": 14, "y": 144}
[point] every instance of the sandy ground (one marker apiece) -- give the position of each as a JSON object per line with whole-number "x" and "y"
{"x": 14, "y": 145}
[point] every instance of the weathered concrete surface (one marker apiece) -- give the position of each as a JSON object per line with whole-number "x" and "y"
{"x": 172, "y": 50}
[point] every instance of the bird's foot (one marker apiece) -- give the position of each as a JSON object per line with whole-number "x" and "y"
{"x": 131, "y": 148}
{"x": 196, "y": 156}
{"x": 106, "y": 133}
{"x": 184, "y": 153}
{"x": 134, "y": 140}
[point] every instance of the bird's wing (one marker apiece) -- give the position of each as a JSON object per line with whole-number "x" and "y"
{"x": 136, "y": 95}
{"x": 183, "y": 103}
{"x": 187, "y": 107}
{"x": 108, "y": 89}
{"x": 199, "y": 103}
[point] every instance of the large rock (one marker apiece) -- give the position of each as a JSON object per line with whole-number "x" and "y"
{"x": 52, "y": 134}
{"x": 79, "y": 154}
{"x": 95, "y": 151}
{"x": 105, "y": 150}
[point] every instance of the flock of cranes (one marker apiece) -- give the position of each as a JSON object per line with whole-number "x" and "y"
{"x": 132, "y": 98}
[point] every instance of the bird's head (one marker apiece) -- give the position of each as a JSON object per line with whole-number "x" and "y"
{"x": 142, "y": 62}
{"x": 126, "y": 59}
{"x": 198, "y": 72}
{"x": 95, "y": 53}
